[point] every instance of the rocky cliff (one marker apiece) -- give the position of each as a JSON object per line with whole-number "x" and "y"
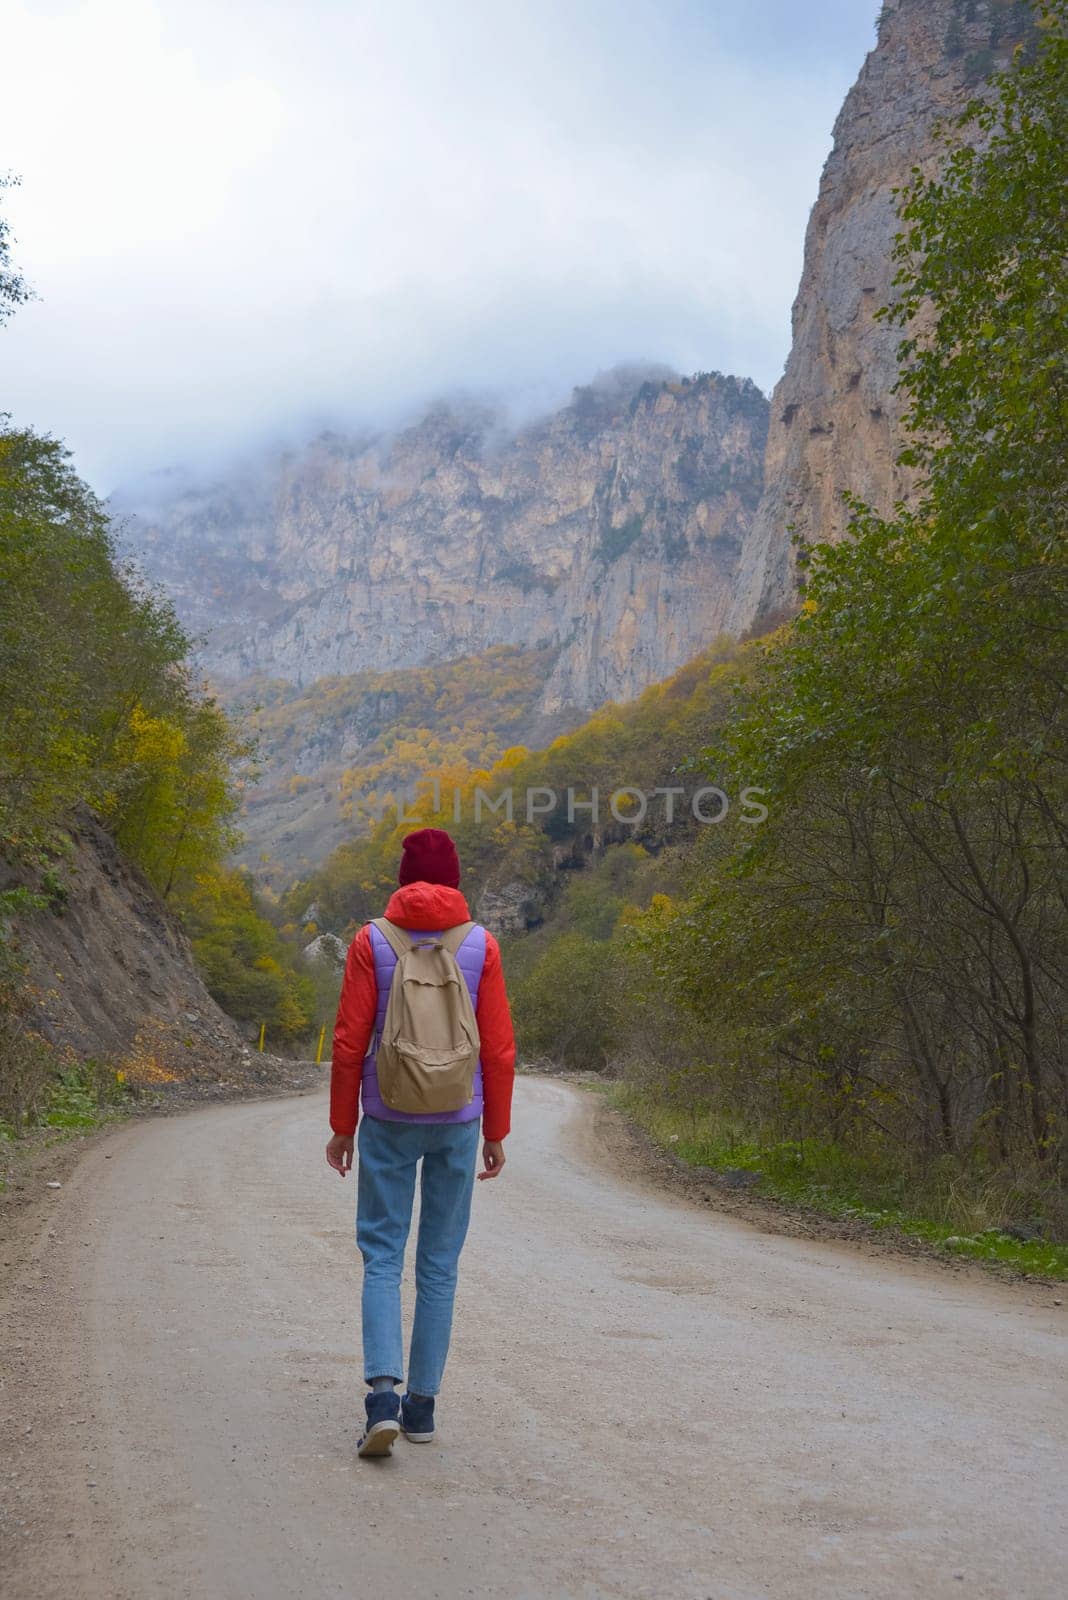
{"x": 630, "y": 527}
{"x": 835, "y": 420}
{"x": 610, "y": 529}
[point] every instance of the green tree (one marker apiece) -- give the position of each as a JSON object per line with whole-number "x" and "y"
{"x": 79, "y": 645}
{"x": 899, "y": 921}
{"x": 562, "y": 1005}
{"x": 248, "y": 968}
{"x": 99, "y": 708}
{"x": 174, "y": 809}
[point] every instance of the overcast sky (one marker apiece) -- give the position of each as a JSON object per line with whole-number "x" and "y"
{"x": 248, "y": 215}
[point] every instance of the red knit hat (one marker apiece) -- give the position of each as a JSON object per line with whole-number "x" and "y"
{"x": 429, "y": 856}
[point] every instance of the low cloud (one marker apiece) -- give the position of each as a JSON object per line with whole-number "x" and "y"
{"x": 260, "y": 216}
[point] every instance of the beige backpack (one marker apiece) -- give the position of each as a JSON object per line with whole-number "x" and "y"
{"x": 429, "y": 1047}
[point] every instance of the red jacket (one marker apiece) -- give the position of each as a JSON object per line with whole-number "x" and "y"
{"x": 428, "y": 906}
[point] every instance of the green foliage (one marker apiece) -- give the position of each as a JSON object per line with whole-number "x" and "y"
{"x": 17, "y": 902}
{"x": 248, "y": 967}
{"x": 983, "y": 247}
{"x": 568, "y": 979}
{"x": 594, "y": 900}
{"x": 84, "y": 1095}
{"x": 26, "y": 1063}
{"x": 561, "y": 1007}
{"x": 644, "y": 744}
{"x": 324, "y": 979}
{"x": 98, "y": 707}
{"x": 647, "y": 744}
{"x": 73, "y": 1098}
{"x": 960, "y": 1209}
{"x": 173, "y": 812}
{"x": 885, "y": 958}
{"x": 84, "y": 652}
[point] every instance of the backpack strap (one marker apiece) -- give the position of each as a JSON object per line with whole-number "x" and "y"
{"x": 453, "y": 938}
{"x": 400, "y": 940}
{"x": 394, "y": 936}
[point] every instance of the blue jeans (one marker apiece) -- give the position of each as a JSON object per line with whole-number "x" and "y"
{"x": 388, "y": 1155}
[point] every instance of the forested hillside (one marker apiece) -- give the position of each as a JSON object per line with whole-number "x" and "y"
{"x": 117, "y": 796}
{"x": 329, "y": 756}
{"x": 512, "y": 861}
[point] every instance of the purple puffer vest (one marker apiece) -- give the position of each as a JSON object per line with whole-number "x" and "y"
{"x": 470, "y": 958}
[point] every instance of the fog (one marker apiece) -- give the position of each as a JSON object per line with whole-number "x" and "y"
{"x": 260, "y": 218}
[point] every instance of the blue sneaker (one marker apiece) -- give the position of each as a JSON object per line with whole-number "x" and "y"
{"x": 383, "y": 1424}
{"x": 417, "y": 1419}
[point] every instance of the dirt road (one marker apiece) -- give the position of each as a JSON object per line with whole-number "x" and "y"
{"x": 643, "y": 1399}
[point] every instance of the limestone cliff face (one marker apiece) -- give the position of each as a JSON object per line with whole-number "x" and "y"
{"x": 611, "y": 529}
{"x": 835, "y": 421}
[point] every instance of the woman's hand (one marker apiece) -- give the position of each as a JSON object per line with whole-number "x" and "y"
{"x": 492, "y": 1159}
{"x": 339, "y": 1153}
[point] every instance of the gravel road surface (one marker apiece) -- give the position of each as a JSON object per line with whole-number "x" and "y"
{"x": 643, "y": 1399}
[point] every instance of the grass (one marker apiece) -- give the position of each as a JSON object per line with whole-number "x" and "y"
{"x": 961, "y": 1211}
{"x": 83, "y": 1097}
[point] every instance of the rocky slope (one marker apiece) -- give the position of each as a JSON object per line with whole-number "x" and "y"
{"x": 111, "y": 973}
{"x": 610, "y": 529}
{"x": 835, "y": 420}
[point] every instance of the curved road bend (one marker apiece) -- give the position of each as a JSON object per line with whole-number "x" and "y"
{"x": 643, "y": 1399}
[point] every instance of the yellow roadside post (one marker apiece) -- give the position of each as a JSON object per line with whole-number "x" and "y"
{"x": 263, "y": 1035}
{"x": 319, "y": 1052}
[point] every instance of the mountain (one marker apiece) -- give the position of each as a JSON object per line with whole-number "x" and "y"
{"x": 332, "y": 754}
{"x": 606, "y": 544}
{"x": 835, "y": 419}
{"x": 608, "y": 531}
